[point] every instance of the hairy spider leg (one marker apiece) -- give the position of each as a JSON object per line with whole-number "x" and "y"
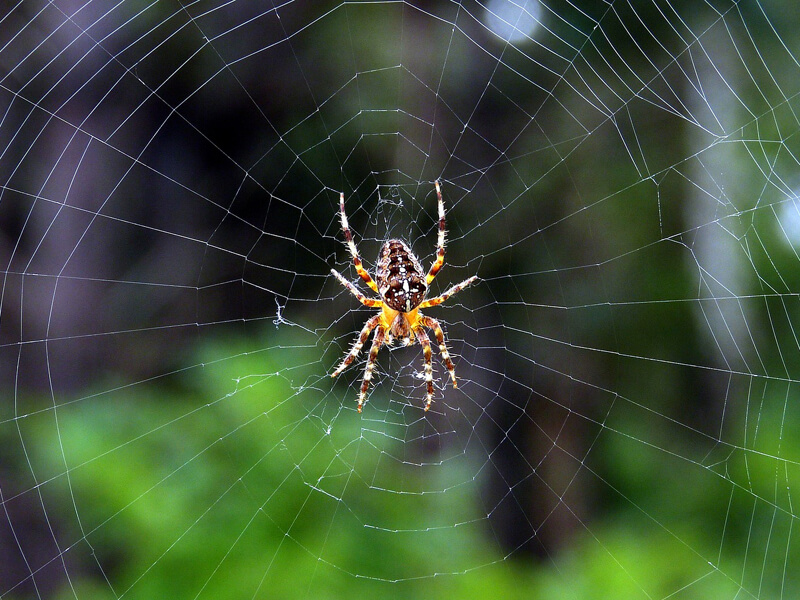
{"x": 453, "y": 290}
{"x": 353, "y": 250}
{"x": 377, "y": 342}
{"x": 432, "y": 323}
{"x": 371, "y": 302}
{"x": 368, "y": 327}
{"x": 425, "y": 342}
{"x": 437, "y": 265}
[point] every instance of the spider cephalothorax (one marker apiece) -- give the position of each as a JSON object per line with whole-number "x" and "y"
{"x": 402, "y": 288}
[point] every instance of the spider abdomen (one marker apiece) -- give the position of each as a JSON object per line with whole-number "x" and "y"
{"x": 399, "y": 276}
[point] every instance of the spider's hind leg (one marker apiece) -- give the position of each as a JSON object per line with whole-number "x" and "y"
{"x": 362, "y": 272}
{"x": 439, "y": 262}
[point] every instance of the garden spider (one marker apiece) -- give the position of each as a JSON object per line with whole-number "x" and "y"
{"x": 402, "y": 288}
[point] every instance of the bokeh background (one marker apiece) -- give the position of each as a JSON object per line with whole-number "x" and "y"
{"x": 622, "y": 176}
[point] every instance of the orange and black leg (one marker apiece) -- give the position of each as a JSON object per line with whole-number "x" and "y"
{"x": 362, "y": 272}
{"x": 432, "y": 323}
{"x": 453, "y": 290}
{"x": 380, "y": 332}
{"x": 437, "y": 265}
{"x": 359, "y": 343}
{"x": 425, "y": 342}
{"x": 371, "y": 302}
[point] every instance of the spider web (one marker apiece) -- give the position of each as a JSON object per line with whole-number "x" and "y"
{"x": 621, "y": 176}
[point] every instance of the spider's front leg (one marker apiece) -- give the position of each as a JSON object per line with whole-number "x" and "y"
{"x": 432, "y": 323}
{"x": 351, "y": 356}
{"x": 425, "y": 342}
{"x": 380, "y": 332}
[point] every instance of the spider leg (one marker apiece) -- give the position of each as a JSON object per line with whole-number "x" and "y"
{"x": 432, "y": 323}
{"x": 437, "y": 265}
{"x": 377, "y": 341}
{"x": 368, "y": 327}
{"x": 371, "y": 302}
{"x": 453, "y": 290}
{"x": 425, "y": 342}
{"x": 353, "y": 250}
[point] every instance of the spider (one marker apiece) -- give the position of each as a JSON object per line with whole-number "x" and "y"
{"x": 402, "y": 288}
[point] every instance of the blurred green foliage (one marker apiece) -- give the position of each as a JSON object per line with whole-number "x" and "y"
{"x": 252, "y": 495}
